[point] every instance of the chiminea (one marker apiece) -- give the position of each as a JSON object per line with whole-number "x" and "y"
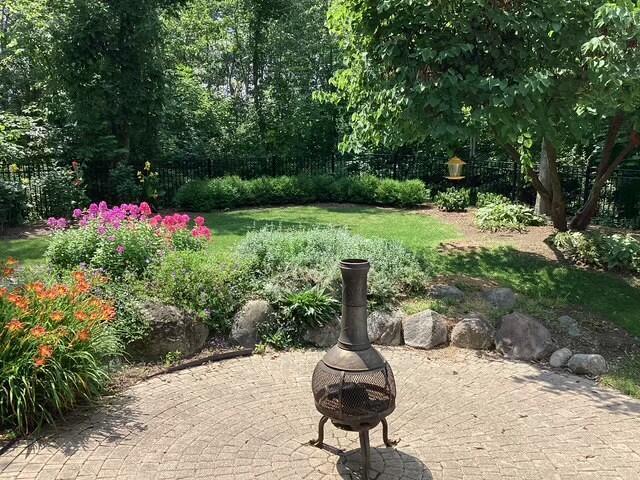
{"x": 353, "y": 385}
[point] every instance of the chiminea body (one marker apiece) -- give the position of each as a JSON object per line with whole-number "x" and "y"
{"x": 353, "y": 385}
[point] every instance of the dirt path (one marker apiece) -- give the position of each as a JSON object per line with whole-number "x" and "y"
{"x": 532, "y": 241}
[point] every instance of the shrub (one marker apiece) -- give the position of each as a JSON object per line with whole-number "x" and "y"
{"x": 453, "y": 199}
{"x": 608, "y": 251}
{"x": 305, "y": 258}
{"x": 213, "y": 289}
{"x": 62, "y": 191}
{"x": 123, "y": 184}
{"x": 121, "y": 239}
{"x": 412, "y": 193}
{"x": 228, "y": 192}
{"x": 296, "y": 312}
{"x": 506, "y": 216}
{"x": 129, "y": 325}
{"x": 195, "y": 196}
{"x": 488, "y": 198}
{"x": 55, "y": 341}
{"x": 13, "y": 204}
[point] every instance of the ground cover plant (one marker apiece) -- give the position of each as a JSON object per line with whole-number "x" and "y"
{"x": 55, "y": 341}
{"x": 299, "y": 259}
{"x": 601, "y": 250}
{"x": 121, "y": 239}
{"x": 495, "y": 217}
{"x": 230, "y": 192}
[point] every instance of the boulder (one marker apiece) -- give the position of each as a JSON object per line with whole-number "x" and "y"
{"x": 426, "y": 330}
{"x": 246, "y": 322}
{"x": 502, "y": 298}
{"x": 325, "y": 336}
{"x": 446, "y": 292}
{"x": 523, "y": 338}
{"x": 569, "y": 325}
{"x": 473, "y": 333}
{"x": 560, "y": 358}
{"x": 385, "y": 328}
{"x": 588, "y": 364}
{"x": 170, "y": 330}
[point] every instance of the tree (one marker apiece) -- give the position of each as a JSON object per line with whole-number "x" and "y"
{"x": 107, "y": 58}
{"x": 526, "y": 71}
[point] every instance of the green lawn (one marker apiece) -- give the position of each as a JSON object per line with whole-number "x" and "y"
{"x": 536, "y": 277}
{"x": 416, "y": 231}
{"x": 27, "y": 251}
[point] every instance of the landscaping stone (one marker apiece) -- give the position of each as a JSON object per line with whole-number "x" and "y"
{"x": 446, "y": 292}
{"x": 560, "y": 358}
{"x": 502, "y": 298}
{"x": 170, "y": 330}
{"x": 588, "y": 364}
{"x": 385, "y": 328}
{"x": 570, "y": 325}
{"x": 523, "y": 338}
{"x": 473, "y": 333}
{"x": 246, "y": 322}
{"x": 325, "y": 336}
{"x": 425, "y": 330}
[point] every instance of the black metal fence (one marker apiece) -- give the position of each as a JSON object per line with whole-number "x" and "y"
{"x": 620, "y": 203}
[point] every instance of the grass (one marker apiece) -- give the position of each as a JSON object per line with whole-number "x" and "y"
{"x": 626, "y": 377}
{"x": 416, "y": 231}
{"x": 27, "y": 251}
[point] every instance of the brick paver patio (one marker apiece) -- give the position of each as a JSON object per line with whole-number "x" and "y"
{"x": 459, "y": 417}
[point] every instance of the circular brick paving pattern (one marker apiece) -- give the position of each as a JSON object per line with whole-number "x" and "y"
{"x": 459, "y": 416}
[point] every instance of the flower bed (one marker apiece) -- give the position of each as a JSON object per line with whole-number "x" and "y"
{"x": 125, "y": 238}
{"x": 55, "y": 340}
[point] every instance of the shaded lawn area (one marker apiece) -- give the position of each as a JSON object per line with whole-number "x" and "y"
{"x": 601, "y": 293}
{"x": 28, "y": 251}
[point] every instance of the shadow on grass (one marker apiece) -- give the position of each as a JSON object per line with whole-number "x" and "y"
{"x": 28, "y": 250}
{"x": 537, "y": 277}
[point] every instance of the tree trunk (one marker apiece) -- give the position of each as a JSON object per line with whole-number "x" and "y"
{"x": 553, "y": 195}
{"x": 543, "y": 206}
{"x": 607, "y": 166}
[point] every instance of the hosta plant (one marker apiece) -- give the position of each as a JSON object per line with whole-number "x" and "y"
{"x": 55, "y": 341}
{"x": 454, "y": 199}
{"x": 496, "y": 217}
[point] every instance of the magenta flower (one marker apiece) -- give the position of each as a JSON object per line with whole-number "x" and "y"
{"x": 120, "y": 249}
{"x": 145, "y": 209}
{"x": 199, "y": 221}
{"x": 77, "y": 213}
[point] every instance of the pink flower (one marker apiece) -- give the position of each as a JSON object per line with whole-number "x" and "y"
{"x": 199, "y": 221}
{"x": 102, "y": 230}
{"x": 93, "y": 209}
{"x": 120, "y": 249}
{"x": 201, "y": 232}
{"x": 155, "y": 221}
{"x": 77, "y": 213}
{"x": 145, "y": 209}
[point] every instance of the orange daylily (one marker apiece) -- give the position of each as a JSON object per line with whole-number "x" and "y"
{"x": 38, "y": 331}
{"x": 57, "y": 316}
{"x": 82, "y": 316}
{"x": 40, "y": 362}
{"x": 45, "y": 351}
{"x": 84, "y": 335}
{"x": 14, "y": 325}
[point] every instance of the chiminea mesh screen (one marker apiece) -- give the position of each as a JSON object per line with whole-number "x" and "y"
{"x": 354, "y": 396}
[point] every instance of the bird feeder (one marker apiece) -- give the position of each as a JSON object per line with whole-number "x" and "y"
{"x": 456, "y": 167}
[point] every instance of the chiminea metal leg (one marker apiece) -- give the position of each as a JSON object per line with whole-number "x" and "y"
{"x": 320, "y": 441}
{"x": 364, "y": 453}
{"x": 385, "y": 435}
